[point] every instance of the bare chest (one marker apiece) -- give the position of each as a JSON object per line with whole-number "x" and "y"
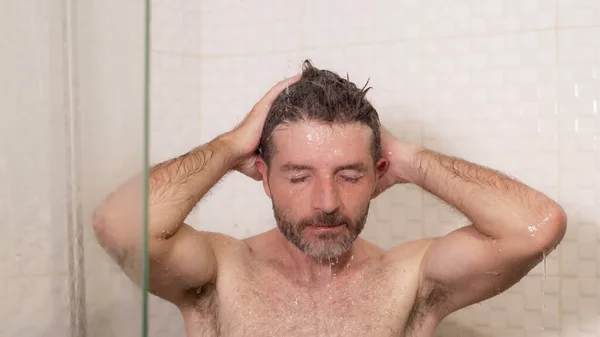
{"x": 373, "y": 301}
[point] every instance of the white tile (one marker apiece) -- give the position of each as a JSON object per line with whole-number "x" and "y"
{"x": 382, "y": 65}
{"x": 250, "y": 27}
{"x": 176, "y": 97}
{"x": 578, "y": 13}
{"x": 569, "y": 294}
{"x": 42, "y": 297}
{"x": 579, "y": 53}
{"x": 231, "y": 87}
{"x": 110, "y": 23}
{"x": 334, "y": 23}
{"x": 468, "y": 17}
{"x": 533, "y": 321}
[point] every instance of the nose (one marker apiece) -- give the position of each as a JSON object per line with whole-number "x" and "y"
{"x": 325, "y": 196}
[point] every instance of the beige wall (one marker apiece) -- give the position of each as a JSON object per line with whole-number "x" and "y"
{"x": 33, "y": 190}
{"x": 510, "y": 84}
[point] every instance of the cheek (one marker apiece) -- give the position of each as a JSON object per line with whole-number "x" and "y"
{"x": 358, "y": 191}
{"x": 283, "y": 192}
{"x": 355, "y": 202}
{"x": 288, "y": 199}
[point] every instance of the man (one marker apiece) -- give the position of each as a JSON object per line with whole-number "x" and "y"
{"x": 316, "y": 144}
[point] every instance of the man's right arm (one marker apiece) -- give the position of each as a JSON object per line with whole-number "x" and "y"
{"x": 181, "y": 258}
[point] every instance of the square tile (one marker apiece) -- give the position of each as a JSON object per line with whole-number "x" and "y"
{"x": 459, "y": 18}
{"x": 578, "y": 13}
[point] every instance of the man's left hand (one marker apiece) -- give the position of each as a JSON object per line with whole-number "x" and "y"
{"x": 401, "y": 156}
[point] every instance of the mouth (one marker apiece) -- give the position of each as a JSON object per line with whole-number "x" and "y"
{"x": 325, "y": 227}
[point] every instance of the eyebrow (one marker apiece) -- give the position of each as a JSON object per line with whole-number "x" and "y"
{"x": 359, "y": 166}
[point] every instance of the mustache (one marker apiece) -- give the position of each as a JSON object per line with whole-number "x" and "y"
{"x": 325, "y": 219}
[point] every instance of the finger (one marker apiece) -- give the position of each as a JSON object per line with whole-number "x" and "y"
{"x": 267, "y": 100}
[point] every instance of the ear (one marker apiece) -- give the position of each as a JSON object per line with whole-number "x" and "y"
{"x": 264, "y": 172}
{"x": 381, "y": 167}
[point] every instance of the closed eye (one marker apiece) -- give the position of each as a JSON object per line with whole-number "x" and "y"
{"x": 351, "y": 180}
{"x": 298, "y": 180}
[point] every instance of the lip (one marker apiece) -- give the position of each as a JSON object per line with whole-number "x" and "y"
{"x": 324, "y": 228}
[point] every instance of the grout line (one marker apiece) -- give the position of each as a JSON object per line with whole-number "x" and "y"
{"x": 76, "y": 267}
{"x": 303, "y": 47}
{"x": 557, "y": 114}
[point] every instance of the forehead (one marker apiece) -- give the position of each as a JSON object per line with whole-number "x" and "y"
{"x": 313, "y": 141}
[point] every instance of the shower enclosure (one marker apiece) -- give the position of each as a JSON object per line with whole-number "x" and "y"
{"x": 513, "y": 85}
{"x": 72, "y": 129}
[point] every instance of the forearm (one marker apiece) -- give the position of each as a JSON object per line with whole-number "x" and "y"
{"x": 496, "y": 204}
{"x": 175, "y": 187}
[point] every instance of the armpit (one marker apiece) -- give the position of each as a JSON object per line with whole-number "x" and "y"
{"x": 432, "y": 300}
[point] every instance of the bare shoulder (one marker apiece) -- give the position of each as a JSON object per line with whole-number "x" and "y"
{"x": 412, "y": 251}
{"x": 401, "y": 262}
{"x": 225, "y": 247}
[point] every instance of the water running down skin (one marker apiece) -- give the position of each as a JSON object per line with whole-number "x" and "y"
{"x": 266, "y": 286}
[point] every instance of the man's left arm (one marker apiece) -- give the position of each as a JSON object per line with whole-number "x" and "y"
{"x": 513, "y": 228}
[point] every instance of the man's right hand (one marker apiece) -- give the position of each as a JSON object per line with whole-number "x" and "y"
{"x": 245, "y": 137}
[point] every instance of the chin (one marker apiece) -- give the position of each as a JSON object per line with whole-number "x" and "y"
{"x": 319, "y": 248}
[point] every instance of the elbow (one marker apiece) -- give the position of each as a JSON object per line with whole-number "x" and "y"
{"x": 560, "y": 225}
{"x": 107, "y": 223}
{"x": 551, "y": 229}
{"x": 100, "y": 222}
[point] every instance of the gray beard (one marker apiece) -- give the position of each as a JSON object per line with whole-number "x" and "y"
{"x": 327, "y": 245}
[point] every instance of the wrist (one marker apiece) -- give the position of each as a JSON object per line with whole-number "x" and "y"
{"x": 228, "y": 145}
{"x": 411, "y": 157}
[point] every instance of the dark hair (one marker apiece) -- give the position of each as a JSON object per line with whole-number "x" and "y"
{"x": 323, "y": 96}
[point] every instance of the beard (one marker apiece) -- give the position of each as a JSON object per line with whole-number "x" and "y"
{"x": 326, "y": 245}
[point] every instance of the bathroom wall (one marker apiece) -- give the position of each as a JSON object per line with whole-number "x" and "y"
{"x": 509, "y": 84}
{"x": 71, "y": 113}
{"x": 33, "y": 161}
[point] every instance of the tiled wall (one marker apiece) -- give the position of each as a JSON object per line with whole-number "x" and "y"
{"x": 509, "y": 84}
{"x": 33, "y": 265}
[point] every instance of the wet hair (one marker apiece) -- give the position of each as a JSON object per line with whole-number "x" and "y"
{"x": 321, "y": 96}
